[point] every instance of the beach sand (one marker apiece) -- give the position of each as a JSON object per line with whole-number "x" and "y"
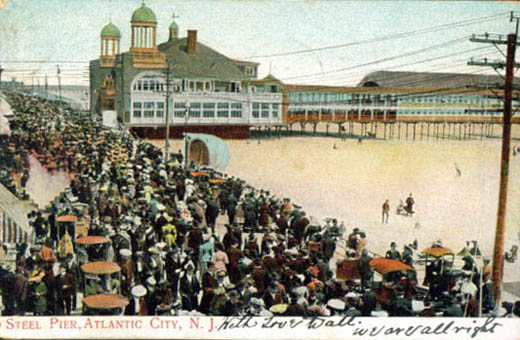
{"x": 352, "y": 181}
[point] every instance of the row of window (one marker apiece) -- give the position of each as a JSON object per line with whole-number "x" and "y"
{"x": 262, "y": 110}
{"x": 340, "y": 98}
{"x": 148, "y": 109}
{"x": 355, "y": 98}
{"x": 204, "y": 109}
{"x": 451, "y": 99}
{"x": 152, "y": 85}
{"x": 207, "y": 110}
{"x": 444, "y": 113}
{"x": 157, "y": 84}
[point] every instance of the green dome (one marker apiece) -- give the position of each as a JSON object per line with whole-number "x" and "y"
{"x": 143, "y": 14}
{"x": 110, "y": 30}
{"x": 174, "y": 26}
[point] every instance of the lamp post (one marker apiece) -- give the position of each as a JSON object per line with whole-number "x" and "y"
{"x": 186, "y": 138}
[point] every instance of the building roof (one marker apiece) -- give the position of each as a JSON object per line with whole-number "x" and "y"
{"x": 110, "y": 30}
{"x": 205, "y": 63}
{"x": 15, "y": 209}
{"x": 143, "y": 14}
{"x": 427, "y": 79}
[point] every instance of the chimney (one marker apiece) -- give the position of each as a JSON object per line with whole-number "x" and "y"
{"x": 192, "y": 41}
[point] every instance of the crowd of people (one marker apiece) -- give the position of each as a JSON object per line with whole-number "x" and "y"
{"x": 192, "y": 240}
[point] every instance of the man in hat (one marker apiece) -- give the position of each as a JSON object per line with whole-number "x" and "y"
{"x": 212, "y": 212}
{"x": 195, "y": 240}
{"x": 251, "y": 248}
{"x": 365, "y": 270}
{"x": 189, "y": 288}
{"x": 393, "y": 253}
{"x": 352, "y": 239}
{"x": 231, "y": 207}
{"x": 385, "y": 211}
{"x": 152, "y": 296}
{"x": 259, "y": 276}
{"x": 409, "y": 205}
{"x": 127, "y": 270}
{"x": 209, "y": 284}
{"x": 234, "y": 254}
{"x": 67, "y": 286}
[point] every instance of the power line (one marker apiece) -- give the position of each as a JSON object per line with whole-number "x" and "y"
{"x": 348, "y": 75}
{"x": 441, "y": 45}
{"x": 388, "y": 37}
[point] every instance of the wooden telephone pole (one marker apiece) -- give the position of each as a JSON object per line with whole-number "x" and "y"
{"x": 498, "y": 254}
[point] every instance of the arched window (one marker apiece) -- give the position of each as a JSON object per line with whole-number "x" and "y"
{"x": 149, "y": 82}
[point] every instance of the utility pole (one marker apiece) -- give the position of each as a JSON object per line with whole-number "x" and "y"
{"x": 46, "y": 88}
{"x": 186, "y": 138}
{"x": 1, "y": 70}
{"x": 59, "y": 80}
{"x": 498, "y": 253}
{"x": 167, "y": 119}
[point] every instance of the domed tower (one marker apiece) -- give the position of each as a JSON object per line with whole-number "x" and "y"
{"x": 174, "y": 31}
{"x": 144, "y": 26}
{"x": 110, "y": 38}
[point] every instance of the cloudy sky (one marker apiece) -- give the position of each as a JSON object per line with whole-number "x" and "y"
{"x": 308, "y": 42}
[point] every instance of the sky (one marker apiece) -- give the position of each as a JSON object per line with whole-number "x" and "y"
{"x": 304, "y": 42}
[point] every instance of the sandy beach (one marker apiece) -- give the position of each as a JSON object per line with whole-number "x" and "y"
{"x": 352, "y": 181}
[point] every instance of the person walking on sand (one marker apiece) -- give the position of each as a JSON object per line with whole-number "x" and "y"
{"x": 459, "y": 173}
{"x": 409, "y": 205}
{"x": 386, "y": 210}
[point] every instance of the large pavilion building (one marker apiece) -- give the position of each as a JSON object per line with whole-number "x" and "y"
{"x": 209, "y": 92}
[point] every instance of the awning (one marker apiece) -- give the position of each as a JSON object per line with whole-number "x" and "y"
{"x": 438, "y": 251}
{"x": 100, "y": 268}
{"x": 105, "y": 301}
{"x": 384, "y": 266}
{"x": 88, "y": 240}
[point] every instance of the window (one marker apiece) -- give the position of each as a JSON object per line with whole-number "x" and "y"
{"x": 223, "y": 110}
{"x": 160, "y": 110}
{"x": 236, "y": 114}
{"x": 265, "y": 110}
{"x": 137, "y": 110}
{"x": 195, "y": 106}
{"x": 250, "y": 71}
{"x": 149, "y": 109}
{"x": 195, "y": 114}
{"x": 236, "y": 106}
{"x": 208, "y": 105}
{"x": 208, "y": 113}
{"x": 275, "y": 110}
{"x": 223, "y": 113}
{"x": 179, "y": 105}
{"x": 179, "y": 113}
{"x": 256, "y": 108}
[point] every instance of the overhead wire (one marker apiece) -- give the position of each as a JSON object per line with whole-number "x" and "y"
{"x": 389, "y": 37}
{"x": 378, "y": 61}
